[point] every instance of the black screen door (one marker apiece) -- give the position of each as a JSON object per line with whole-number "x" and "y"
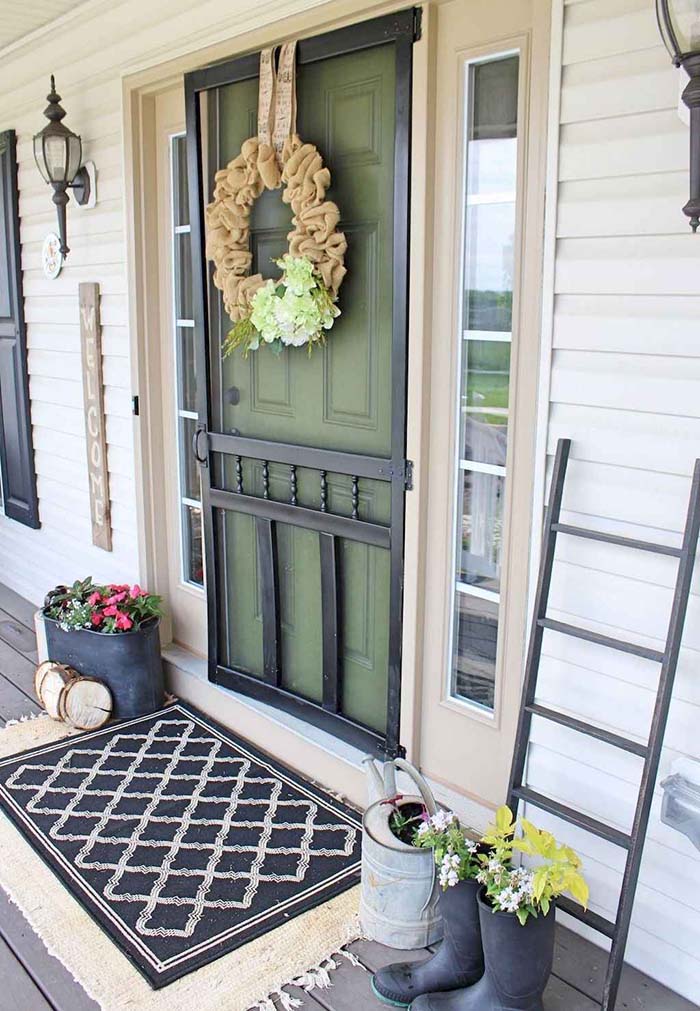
{"x": 302, "y": 459}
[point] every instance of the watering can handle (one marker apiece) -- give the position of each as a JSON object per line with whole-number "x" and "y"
{"x": 423, "y": 788}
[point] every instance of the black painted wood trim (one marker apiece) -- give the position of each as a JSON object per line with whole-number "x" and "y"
{"x": 16, "y": 447}
{"x": 300, "y": 516}
{"x": 267, "y": 567}
{"x": 330, "y": 587}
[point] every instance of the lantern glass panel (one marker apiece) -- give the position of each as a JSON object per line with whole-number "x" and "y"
{"x": 39, "y": 156}
{"x": 56, "y": 156}
{"x": 75, "y": 155}
{"x": 685, "y": 22}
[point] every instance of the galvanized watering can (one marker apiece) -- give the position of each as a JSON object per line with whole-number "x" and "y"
{"x": 398, "y": 906}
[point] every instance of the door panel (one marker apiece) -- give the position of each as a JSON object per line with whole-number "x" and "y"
{"x": 346, "y": 106}
{"x": 306, "y": 548}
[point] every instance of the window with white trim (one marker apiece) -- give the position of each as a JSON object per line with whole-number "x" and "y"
{"x": 192, "y": 565}
{"x": 489, "y": 219}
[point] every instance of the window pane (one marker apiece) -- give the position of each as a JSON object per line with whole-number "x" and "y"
{"x": 186, "y": 368}
{"x": 491, "y": 182}
{"x": 475, "y": 640}
{"x": 484, "y": 395}
{"x": 488, "y": 282}
{"x": 492, "y": 167}
{"x": 181, "y": 210}
{"x": 494, "y": 99}
{"x": 485, "y": 388}
{"x": 183, "y": 276}
{"x": 194, "y": 565}
{"x": 189, "y": 474}
{"x": 189, "y": 488}
{"x": 480, "y": 545}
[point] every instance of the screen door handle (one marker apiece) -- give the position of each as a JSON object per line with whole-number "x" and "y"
{"x": 201, "y": 460}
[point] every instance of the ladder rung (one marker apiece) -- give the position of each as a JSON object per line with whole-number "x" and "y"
{"x": 578, "y": 818}
{"x": 601, "y": 640}
{"x": 625, "y": 542}
{"x": 587, "y": 916}
{"x": 608, "y": 736}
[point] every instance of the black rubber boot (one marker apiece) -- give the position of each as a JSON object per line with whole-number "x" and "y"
{"x": 518, "y": 962}
{"x": 459, "y": 960}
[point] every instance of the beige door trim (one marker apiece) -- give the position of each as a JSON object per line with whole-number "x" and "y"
{"x": 461, "y": 746}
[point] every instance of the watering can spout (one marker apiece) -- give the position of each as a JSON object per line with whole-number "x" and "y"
{"x": 375, "y": 784}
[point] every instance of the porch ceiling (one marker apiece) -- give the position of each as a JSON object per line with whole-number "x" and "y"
{"x": 20, "y": 18}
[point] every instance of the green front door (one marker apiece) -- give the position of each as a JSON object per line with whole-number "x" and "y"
{"x": 306, "y": 547}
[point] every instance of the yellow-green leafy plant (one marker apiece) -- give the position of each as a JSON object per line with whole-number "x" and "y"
{"x": 528, "y": 890}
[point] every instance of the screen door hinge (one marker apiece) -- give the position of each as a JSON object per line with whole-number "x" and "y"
{"x": 135, "y": 405}
{"x": 408, "y": 475}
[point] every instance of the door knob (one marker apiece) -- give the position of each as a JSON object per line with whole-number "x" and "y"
{"x": 233, "y": 395}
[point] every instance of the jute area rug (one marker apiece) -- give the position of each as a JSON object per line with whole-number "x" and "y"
{"x": 303, "y": 951}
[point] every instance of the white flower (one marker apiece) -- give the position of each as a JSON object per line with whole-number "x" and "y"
{"x": 448, "y": 878}
{"x": 471, "y": 847}
{"x": 442, "y": 820}
{"x": 508, "y": 900}
{"x": 423, "y": 828}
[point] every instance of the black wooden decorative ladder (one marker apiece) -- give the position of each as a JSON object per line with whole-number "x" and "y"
{"x": 633, "y": 841}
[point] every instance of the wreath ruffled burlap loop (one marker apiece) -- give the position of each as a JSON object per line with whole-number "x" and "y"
{"x": 268, "y": 162}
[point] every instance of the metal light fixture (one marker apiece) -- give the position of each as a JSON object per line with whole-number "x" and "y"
{"x": 58, "y": 153}
{"x": 679, "y": 24}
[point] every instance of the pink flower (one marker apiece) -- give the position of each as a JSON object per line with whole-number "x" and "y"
{"x": 94, "y": 598}
{"x": 123, "y": 621}
{"x": 111, "y": 611}
{"x": 116, "y": 598}
{"x": 96, "y": 619}
{"x": 136, "y": 591}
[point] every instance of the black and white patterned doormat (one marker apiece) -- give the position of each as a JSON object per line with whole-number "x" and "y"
{"x": 181, "y": 840}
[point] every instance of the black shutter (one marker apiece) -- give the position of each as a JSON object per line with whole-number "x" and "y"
{"x": 16, "y": 451}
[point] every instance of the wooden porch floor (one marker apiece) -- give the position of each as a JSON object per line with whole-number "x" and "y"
{"x": 31, "y": 980}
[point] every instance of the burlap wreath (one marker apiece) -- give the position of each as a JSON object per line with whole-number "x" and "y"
{"x": 314, "y": 233}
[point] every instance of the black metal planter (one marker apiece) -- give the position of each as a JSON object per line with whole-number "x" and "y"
{"x": 129, "y": 663}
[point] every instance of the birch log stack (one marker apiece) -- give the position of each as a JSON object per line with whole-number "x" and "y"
{"x": 85, "y": 703}
{"x": 82, "y": 702}
{"x": 50, "y": 680}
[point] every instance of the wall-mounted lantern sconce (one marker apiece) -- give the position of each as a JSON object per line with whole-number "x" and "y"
{"x": 58, "y": 153}
{"x": 679, "y": 24}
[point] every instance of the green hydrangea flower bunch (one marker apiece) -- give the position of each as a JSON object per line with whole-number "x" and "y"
{"x": 291, "y": 312}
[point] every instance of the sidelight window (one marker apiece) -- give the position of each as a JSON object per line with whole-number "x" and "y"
{"x": 486, "y": 316}
{"x": 185, "y": 374}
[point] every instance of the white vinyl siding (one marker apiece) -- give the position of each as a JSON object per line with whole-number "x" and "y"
{"x": 625, "y": 376}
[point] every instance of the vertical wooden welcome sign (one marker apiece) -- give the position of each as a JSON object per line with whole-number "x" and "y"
{"x": 93, "y": 398}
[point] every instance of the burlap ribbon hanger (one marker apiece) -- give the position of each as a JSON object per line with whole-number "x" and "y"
{"x": 277, "y": 110}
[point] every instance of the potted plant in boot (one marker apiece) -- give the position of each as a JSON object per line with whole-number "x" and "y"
{"x": 109, "y": 632}
{"x": 516, "y": 912}
{"x": 459, "y": 959}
